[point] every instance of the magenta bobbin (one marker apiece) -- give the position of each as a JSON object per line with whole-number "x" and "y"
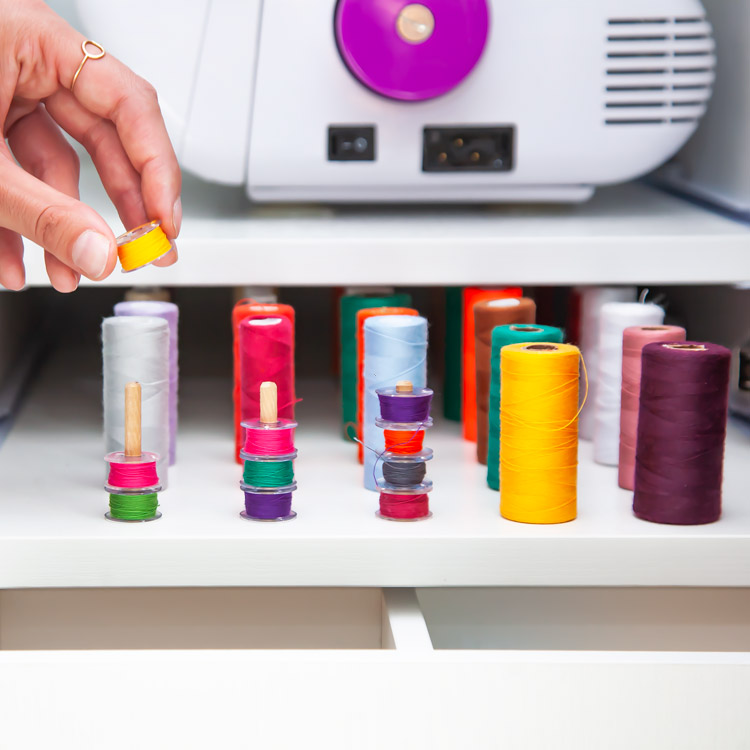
{"x": 411, "y": 51}
{"x": 129, "y": 473}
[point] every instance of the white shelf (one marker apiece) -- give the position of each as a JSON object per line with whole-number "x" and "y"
{"x": 626, "y": 234}
{"x": 53, "y": 534}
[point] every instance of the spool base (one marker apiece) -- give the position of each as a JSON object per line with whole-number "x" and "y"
{"x": 246, "y": 517}
{"x": 110, "y": 517}
{"x": 403, "y": 520}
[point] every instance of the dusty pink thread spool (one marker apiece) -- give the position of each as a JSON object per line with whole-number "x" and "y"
{"x": 633, "y": 341}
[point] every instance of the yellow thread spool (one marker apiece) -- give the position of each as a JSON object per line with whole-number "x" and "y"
{"x": 142, "y": 245}
{"x": 539, "y": 432}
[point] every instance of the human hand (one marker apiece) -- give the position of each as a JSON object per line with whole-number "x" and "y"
{"x": 112, "y": 112}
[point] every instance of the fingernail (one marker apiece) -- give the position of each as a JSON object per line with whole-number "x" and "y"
{"x": 91, "y": 253}
{"x": 177, "y": 215}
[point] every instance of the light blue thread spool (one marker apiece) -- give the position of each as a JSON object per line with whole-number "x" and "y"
{"x": 395, "y": 349}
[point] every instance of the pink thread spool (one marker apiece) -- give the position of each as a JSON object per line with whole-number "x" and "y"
{"x": 269, "y": 441}
{"x": 405, "y": 505}
{"x": 129, "y": 473}
{"x": 633, "y": 341}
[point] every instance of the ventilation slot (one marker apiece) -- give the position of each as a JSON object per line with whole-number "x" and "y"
{"x": 651, "y": 63}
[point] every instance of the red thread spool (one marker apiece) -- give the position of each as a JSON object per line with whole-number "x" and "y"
{"x": 397, "y": 506}
{"x": 244, "y": 309}
{"x": 404, "y": 442}
{"x": 132, "y": 472}
{"x": 266, "y": 354}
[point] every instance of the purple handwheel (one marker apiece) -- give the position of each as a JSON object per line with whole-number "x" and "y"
{"x": 411, "y": 51}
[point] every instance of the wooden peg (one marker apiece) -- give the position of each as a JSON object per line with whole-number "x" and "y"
{"x": 133, "y": 419}
{"x": 404, "y": 386}
{"x": 269, "y": 412}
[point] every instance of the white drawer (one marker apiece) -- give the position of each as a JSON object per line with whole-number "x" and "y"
{"x": 509, "y": 668}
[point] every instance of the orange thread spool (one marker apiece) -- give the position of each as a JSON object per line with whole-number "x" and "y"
{"x": 471, "y": 296}
{"x": 403, "y": 442}
{"x": 247, "y": 308}
{"x": 362, "y": 316}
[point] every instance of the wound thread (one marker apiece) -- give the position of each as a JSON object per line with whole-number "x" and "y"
{"x": 268, "y": 473}
{"x": 133, "y": 475}
{"x": 269, "y": 442}
{"x": 404, "y": 507}
{"x": 133, "y": 507}
{"x": 403, "y": 473}
{"x": 404, "y": 442}
{"x": 405, "y": 409}
{"x": 539, "y": 432}
{"x": 267, "y": 506}
{"x": 682, "y": 423}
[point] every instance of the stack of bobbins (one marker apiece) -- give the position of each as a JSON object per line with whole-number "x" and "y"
{"x": 268, "y": 452}
{"x": 132, "y": 480}
{"x": 404, "y": 417}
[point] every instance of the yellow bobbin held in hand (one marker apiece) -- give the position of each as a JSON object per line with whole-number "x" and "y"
{"x": 539, "y": 432}
{"x": 142, "y": 245}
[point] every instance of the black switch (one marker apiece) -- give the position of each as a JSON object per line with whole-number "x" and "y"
{"x": 351, "y": 143}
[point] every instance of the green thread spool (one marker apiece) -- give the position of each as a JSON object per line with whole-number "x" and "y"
{"x": 268, "y": 474}
{"x": 133, "y": 507}
{"x": 453, "y": 353}
{"x": 518, "y": 333}
{"x": 350, "y": 305}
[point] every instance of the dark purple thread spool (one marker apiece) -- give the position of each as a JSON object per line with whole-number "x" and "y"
{"x": 682, "y": 423}
{"x": 405, "y": 408}
{"x": 268, "y": 506}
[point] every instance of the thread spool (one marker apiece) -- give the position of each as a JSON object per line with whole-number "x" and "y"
{"x": 266, "y": 354}
{"x": 268, "y": 481}
{"x": 395, "y": 349}
{"x": 276, "y": 475}
{"x": 406, "y": 472}
{"x": 169, "y": 312}
{"x": 137, "y": 349}
{"x": 539, "y": 432}
{"x": 681, "y": 432}
{"x": 634, "y": 339}
{"x": 471, "y": 296}
{"x": 503, "y": 336}
{"x": 404, "y": 405}
{"x": 142, "y": 246}
{"x": 349, "y": 306}
{"x": 362, "y": 316}
{"x": 614, "y": 318}
{"x": 488, "y": 315}
{"x": 403, "y": 442}
{"x": 267, "y": 506}
{"x": 132, "y": 481}
{"x": 404, "y": 506}
{"x": 592, "y": 299}
{"x": 247, "y": 308}
{"x": 453, "y": 353}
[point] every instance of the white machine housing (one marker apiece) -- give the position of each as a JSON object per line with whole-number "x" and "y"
{"x": 597, "y": 92}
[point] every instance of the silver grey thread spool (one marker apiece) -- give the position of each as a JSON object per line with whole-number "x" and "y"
{"x": 137, "y": 349}
{"x": 403, "y": 473}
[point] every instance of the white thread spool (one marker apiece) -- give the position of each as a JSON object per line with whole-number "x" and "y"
{"x": 395, "y": 349}
{"x": 137, "y": 349}
{"x": 614, "y": 319}
{"x": 592, "y": 300}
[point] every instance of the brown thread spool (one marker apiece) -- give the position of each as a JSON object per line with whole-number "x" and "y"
{"x": 488, "y": 315}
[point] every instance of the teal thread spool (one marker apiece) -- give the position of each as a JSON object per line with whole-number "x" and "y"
{"x": 268, "y": 474}
{"x": 453, "y": 353}
{"x": 502, "y": 336}
{"x": 350, "y": 305}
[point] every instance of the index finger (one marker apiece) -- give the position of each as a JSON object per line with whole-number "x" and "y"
{"x": 111, "y": 90}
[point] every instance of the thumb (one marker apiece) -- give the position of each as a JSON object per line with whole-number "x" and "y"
{"x": 65, "y": 227}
